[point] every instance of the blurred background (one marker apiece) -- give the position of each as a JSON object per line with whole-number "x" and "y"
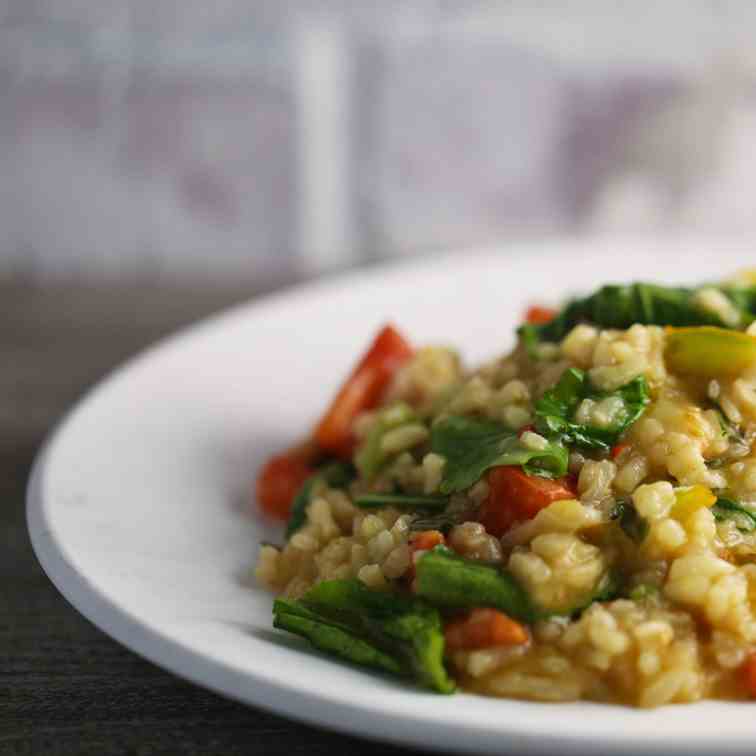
{"x": 187, "y": 139}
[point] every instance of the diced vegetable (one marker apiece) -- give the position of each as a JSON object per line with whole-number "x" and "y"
{"x": 426, "y": 540}
{"x": 633, "y": 525}
{"x": 362, "y": 391}
{"x": 726, "y": 508}
{"x": 422, "y": 540}
{"x": 689, "y": 499}
{"x": 281, "y": 478}
{"x": 473, "y": 446}
{"x": 709, "y": 352}
{"x": 448, "y": 580}
{"x": 401, "y": 501}
{"x": 537, "y": 315}
{"x": 334, "y": 475}
{"x": 622, "y": 306}
{"x": 515, "y": 495}
{"x": 555, "y": 410}
{"x": 483, "y": 628}
{"x": 394, "y": 633}
{"x": 748, "y": 672}
{"x": 370, "y": 456}
{"x": 618, "y": 450}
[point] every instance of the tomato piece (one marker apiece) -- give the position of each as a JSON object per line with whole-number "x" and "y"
{"x": 423, "y": 540}
{"x": 537, "y": 315}
{"x": 748, "y": 671}
{"x": 514, "y": 495}
{"x": 362, "y": 391}
{"x": 281, "y": 477}
{"x": 483, "y": 628}
{"x": 618, "y": 449}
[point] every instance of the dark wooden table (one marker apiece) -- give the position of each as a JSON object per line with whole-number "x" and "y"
{"x": 65, "y": 687}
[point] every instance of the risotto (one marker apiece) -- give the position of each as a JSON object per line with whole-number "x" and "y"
{"x": 575, "y": 519}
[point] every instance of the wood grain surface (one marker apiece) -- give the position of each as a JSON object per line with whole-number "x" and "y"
{"x": 65, "y": 687}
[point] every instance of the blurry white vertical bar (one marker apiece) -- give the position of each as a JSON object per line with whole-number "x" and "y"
{"x": 323, "y": 81}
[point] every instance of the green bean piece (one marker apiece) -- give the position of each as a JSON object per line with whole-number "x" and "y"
{"x": 447, "y": 580}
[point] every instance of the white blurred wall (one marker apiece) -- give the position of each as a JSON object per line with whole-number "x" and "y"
{"x": 179, "y": 136}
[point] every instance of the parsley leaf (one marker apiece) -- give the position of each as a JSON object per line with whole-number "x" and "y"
{"x": 472, "y": 446}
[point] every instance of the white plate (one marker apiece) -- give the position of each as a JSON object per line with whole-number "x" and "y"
{"x": 135, "y": 505}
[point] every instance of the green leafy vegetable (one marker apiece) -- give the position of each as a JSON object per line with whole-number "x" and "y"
{"x": 633, "y": 525}
{"x": 729, "y": 509}
{"x": 394, "y": 633}
{"x": 335, "y": 475}
{"x": 448, "y": 580}
{"x": 555, "y": 410}
{"x": 471, "y": 447}
{"x": 352, "y": 596}
{"x": 370, "y": 457}
{"x": 617, "y": 306}
{"x": 744, "y": 298}
{"x": 331, "y": 637}
{"x": 401, "y": 501}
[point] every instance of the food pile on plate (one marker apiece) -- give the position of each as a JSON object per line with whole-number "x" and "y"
{"x": 575, "y": 519}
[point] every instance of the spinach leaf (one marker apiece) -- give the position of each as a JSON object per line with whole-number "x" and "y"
{"x": 620, "y": 306}
{"x": 471, "y": 447}
{"x": 633, "y": 525}
{"x": 396, "y": 634}
{"x": 334, "y": 474}
{"x": 331, "y": 637}
{"x": 401, "y": 501}
{"x": 729, "y": 509}
{"x": 555, "y": 410}
{"x": 744, "y": 298}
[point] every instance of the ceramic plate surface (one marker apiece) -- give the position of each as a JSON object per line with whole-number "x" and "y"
{"x": 136, "y": 505}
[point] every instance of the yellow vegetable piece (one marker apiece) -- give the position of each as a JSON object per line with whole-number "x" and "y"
{"x": 709, "y": 352}
{"x": 689, "y": 500}
{"x": 744, "y": 277}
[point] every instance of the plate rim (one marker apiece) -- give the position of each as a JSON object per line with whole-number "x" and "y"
{"x": 299, "y": 704}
